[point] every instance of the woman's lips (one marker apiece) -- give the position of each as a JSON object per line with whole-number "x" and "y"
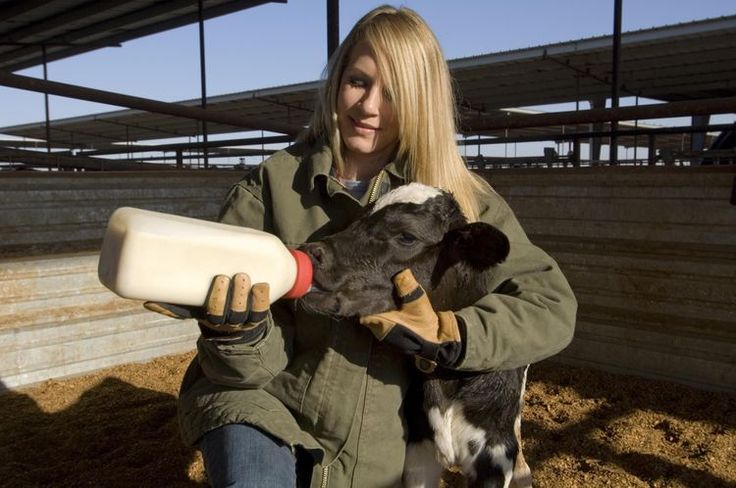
{"x": 364, "y": 128}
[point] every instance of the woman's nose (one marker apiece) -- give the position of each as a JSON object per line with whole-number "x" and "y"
{"x": 372, "y": 100}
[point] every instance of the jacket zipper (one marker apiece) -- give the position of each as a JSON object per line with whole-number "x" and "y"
{"x": 326, "y": 469}
{"x": 374, "y": 188}
{"x": 325, "y": 476}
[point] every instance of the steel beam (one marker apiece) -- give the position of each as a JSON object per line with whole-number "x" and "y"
{"x": 36, "y": 158}
{"x": 145, "y": 104}
{"x": 138, "y": 148}
{"x": 707, "y": 106}
{"x": 33, "y": 144}
{"x": 213, "y": 155}
{"x": 598, "y": 133}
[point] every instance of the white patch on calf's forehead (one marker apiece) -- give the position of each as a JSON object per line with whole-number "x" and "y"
{"x": 411, "y": 193}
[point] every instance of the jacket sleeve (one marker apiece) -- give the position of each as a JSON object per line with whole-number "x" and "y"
{"x": 229, "y": 360}
{"x": 529, "y": 316}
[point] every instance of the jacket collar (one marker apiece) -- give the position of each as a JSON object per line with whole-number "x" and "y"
{"x": 319, "y": 163}
{"x": 319, "y": 166}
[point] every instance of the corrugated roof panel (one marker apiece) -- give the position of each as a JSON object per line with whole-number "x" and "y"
{"x": 680, "y": 62}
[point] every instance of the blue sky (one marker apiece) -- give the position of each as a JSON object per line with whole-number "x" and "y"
{"x": 279, "y": 44}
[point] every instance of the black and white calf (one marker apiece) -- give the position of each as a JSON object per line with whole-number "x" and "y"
{"x": 463, "y": 420}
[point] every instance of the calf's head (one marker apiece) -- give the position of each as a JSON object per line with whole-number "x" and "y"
{"x": 415, "y": 226}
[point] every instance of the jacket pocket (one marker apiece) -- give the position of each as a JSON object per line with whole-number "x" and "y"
{"x": 242, "y": 365}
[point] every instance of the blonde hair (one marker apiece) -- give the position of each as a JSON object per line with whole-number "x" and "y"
{"x": 417, "y": 80}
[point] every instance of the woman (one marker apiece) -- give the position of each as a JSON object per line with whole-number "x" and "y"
{"x": 279, "y": 394}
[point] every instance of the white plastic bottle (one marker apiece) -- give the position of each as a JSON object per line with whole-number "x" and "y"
{"x": 161, "y": 257}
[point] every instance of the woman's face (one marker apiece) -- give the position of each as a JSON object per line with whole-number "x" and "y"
{"x": 365, "y": 115}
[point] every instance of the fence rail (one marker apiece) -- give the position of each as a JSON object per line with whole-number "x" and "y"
{"x": 649, "y": 251}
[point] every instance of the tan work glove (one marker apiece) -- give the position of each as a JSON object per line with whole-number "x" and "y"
{"x": 232, "y": 307}
{"x": 415, "y": 328}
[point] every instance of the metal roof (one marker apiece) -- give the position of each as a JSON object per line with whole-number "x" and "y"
{"x": 678, "y": 62}
{"x": 292, "y": 103}
{"x": 70, "y": 27}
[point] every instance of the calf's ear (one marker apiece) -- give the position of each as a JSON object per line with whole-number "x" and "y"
{"x": 479, "y": 244}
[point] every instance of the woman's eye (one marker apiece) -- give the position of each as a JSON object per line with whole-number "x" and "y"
{"x": 357, "y": 82}
{"x": 406, "y": 238}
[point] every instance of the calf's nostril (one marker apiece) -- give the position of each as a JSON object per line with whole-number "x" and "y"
{"x": 316, "y": 252}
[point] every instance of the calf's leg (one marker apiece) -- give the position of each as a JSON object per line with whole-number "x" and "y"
{"x": 522, "y": 476}
{"x": 421, "y": 468}
{"x": 494, "y": 466}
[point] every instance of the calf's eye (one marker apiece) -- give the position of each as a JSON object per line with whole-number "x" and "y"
{"x": 406, "y": 239}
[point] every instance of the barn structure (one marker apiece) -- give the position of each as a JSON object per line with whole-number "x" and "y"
{"x": 648, "y": 242}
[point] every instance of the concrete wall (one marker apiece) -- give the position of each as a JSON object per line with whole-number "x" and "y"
{"x": 56, "y": 319}
{"x": 651, "y": 255}
{"x": 650, "y": 252}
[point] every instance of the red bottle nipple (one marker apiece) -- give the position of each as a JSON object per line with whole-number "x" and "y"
{"x": 303, "y": 280}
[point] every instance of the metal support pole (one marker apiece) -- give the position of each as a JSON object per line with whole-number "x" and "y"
{"x": 333, "y": 26}
{"x": 636, "y": 126}
{"x": 576, "y": 153}
{"x": 697, "y": 140}
{"x": 652, "y": 157}
{"x": 614, "y": 75}
{"x": 203, "y": 81}
{"x": 597, "y": 126}
{"x": 46, "y": 100}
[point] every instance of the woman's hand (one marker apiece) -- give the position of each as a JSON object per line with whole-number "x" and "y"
{"x": 415, "y": 328}
{"x": 232, "y": 306}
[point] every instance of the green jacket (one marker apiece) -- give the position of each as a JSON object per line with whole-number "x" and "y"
{"x": 328, "y": 386}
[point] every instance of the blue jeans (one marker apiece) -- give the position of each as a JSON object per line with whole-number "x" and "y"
{"x": 241, "y": 456}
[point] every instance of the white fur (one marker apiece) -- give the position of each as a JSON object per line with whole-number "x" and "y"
{"x": 523, "y": 385}
{"x": 441, "y": 423}
{"x": 452, "y": 434}
{"x": 411, "y": 193}
{"x": 463, "y": 434}
{"x": 499, "y": 459}
{"x": 517, "y": 421}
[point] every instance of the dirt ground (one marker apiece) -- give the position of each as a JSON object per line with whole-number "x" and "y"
{"x": 117, "y": 428}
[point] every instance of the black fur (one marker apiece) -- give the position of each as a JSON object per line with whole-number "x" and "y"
{"x": 449, "y": 258}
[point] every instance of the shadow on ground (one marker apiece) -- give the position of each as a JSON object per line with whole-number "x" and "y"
{"x": 117, "y": 429}
{"x": 628, "y": 428}
{"x": 115, "y": 435}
